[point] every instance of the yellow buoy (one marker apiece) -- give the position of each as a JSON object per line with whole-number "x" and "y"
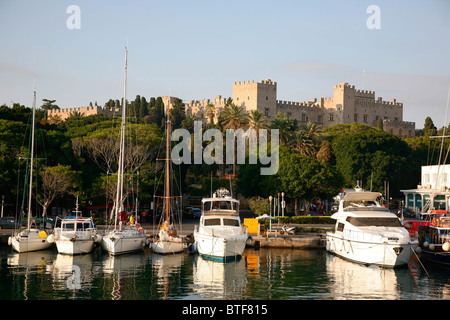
{"x": 42, "y": 234}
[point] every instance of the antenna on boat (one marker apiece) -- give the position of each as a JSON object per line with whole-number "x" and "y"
{"x": 211, "y": 185}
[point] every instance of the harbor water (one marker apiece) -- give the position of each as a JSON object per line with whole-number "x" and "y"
{"x": 264, "y": 274}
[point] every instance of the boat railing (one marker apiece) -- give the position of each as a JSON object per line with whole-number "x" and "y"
{"x": 439, "y": 238}
{"x": 75, "y": 234}
{"x": 372, "y": 208}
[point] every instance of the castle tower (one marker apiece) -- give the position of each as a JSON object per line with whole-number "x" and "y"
{"x": 253, "y": 95}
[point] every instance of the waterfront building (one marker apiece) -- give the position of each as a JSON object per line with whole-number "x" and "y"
{"x": 433, "y": 192}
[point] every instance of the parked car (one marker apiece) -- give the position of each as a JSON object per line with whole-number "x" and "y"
{"x": 196, "y": 212}
{"x": 7, "y": 223}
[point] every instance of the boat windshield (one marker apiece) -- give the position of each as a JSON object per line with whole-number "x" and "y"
{"x": 231, "y": 222}
{"x": 219, "y": 205}
{"x": 217, "y": 222}
{"x": 374, "y": 221}
{"x": 212, "y": 222}
{"x": 80, "y": 226}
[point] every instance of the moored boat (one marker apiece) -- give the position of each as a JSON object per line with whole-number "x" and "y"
{"x": 220, "y": 235}
{"x": 368, "y": 233}
{"x": 435, "y": 239}
{"x": 130, "y": 238}
{"x": 167, "y": 240}
{"x": 29, "y": 239}
{"x": 75, "y": 234}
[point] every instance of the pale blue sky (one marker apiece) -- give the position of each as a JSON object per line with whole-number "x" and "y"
{"x": 197, "y": 49}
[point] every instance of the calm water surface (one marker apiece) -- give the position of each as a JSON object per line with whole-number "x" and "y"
{"x": 266, "y": 274}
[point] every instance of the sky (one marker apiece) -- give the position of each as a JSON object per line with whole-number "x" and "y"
{"x": 196, "y": 49}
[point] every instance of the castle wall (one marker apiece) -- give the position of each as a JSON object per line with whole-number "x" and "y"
{"x": 347, "y": 105}
{"x": 64, "y": 113}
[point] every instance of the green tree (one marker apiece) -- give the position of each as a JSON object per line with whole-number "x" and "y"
{"x": 359, "y": 154}
{"x": 56, "y": 181}
{"x": 234, "y": 117}
{"x": 177, "y": 113}
{"x": 429, "y": 129}
{"x": 304, "y": 177}
{"x": 49, "y": 105}
{"x": 286, "y": 127}
{"x": 210, "y": 112}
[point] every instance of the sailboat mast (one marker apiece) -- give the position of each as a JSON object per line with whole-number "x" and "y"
{"x": 32, "y": 160}
{"x": 167, "y": 191}
{"x": 119, "y": 195}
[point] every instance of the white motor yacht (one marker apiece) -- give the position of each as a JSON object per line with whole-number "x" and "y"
{"x": 76, "y": 235}
{"x": 368, "y": 233}
{"x": 220, "y": 234}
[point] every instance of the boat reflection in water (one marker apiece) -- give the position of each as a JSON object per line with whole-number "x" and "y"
{"x": 121, "y": 273}
{"x": 350, "y": 280}
{"x": 168, "y": 274}
{"x": 74, "y": 272}
{"x": 219, "y": 280}
{"x": 264, "y": 274}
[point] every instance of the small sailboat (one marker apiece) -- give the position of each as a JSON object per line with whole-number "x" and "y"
{"x": 76, "y": 234}
{"x": 30, "y": 239}
{"x": 129, "y": 238}
{"x": 167, "y": 241}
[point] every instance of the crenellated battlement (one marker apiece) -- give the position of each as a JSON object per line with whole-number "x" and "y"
{"x": 299, "y": 104}
{"x": 65, "y": 113}
{"x": 267, "y": 82}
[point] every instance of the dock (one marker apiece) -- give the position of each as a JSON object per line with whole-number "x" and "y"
{"x": 273, "y": 239}
{"x": 300, "y": 241}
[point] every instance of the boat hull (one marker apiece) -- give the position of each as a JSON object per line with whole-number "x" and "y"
{"x": 74, "y": 246}
{"x": 116, "y": 244}
{"x": 167, "y": 246}
{"x": 389, "y": 255}
{"x": 441, "y": 257}
{"x": 23, "y": 244}
{"x": 220, "y": 247}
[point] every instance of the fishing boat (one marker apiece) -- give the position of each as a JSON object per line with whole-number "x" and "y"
{"x": 220, "y": 235}
{"x": 367, "y": 233}
{"x": 167, "y": 241}
{"x": 131, "y": 237}
{"x": 30, "y": 238}
{"x": 75, "y": 234}
{"x": 435, "y": 240}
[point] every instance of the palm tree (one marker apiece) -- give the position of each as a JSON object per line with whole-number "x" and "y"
{"x": 306, "y": 139}
{"x": 302, "y": 143}
{"x": 312, "y": 131}
{"x": 210, "y": 112}
{"x": 286, "y": 127}
{"x": 256, "y": 120}
{"x": 234, "y": 117}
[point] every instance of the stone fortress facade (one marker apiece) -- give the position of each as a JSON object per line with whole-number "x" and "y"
{"x": 347, "y": 105}
{"x": 57, "y": 115}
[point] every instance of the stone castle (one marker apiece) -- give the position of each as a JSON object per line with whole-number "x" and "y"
{"x": 347, "y": 105}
